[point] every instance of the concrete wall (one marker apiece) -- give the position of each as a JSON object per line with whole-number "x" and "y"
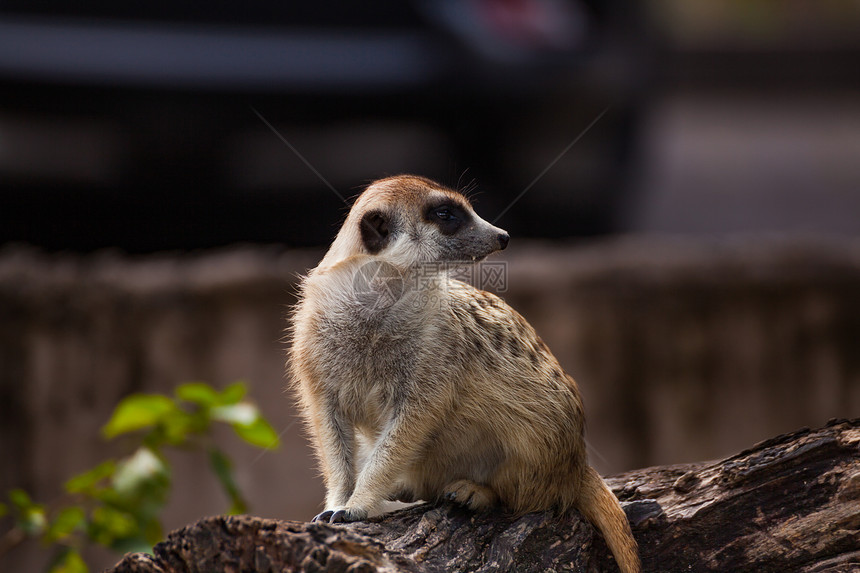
{"x": 683, "y": 351}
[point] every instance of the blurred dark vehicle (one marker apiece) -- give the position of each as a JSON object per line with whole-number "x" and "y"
{"x": 151, "y": 126}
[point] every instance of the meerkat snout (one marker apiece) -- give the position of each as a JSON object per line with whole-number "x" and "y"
{"x": 504, "y": 238}
{"x": 456, "y": 231}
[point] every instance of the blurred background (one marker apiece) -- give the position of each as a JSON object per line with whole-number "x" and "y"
{"x": 681, "y": 181}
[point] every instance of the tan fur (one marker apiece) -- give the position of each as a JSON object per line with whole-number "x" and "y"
{"x": 445, "y": 393}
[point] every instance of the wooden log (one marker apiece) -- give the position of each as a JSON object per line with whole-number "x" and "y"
{"x": 791, "y": 503}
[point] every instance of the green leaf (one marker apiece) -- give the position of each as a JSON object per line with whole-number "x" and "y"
{"x": 153, "y": 533}
{"x": 88, "y": 480}
{"x": 67, "y": 522}
{"x": 198, "y": 393}
{"x": 20, "y": 499}
{"x": 244, "y": 414}
{"x": 33, "y": 522}
{"x": 248, "y": 424}
{"x": 179, "y": 424}
{"x": 4, "y": 510}
{"x": 30, "y": 516}
{"x": 137, "y": 412}
{"x": 109, "y": 525}
{"x": 143, "y": 468}
{"x": 70, "y": 562}
{"x": 233, "y": 393}
{"x": 258, "y": 433}
{"x": 223, "y": 469}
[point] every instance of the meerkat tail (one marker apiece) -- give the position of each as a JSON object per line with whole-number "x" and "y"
{"x": 600, "y": 506}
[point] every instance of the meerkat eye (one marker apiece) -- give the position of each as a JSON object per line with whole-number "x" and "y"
{"x": 449, "y": 218}
{"x": 444, "y": 214}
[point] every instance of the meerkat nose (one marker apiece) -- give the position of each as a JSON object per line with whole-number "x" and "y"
{"x": 503, "y": 240}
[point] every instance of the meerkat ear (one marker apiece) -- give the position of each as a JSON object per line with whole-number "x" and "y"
{"x": 375, "y": 231}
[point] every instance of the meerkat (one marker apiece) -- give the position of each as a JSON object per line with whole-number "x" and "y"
{"x": 416, "y": 386}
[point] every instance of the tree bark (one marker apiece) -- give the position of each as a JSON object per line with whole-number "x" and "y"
{"x": 791, "y": 503}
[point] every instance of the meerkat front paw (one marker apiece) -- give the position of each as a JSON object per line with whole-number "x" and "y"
{"x": 470, "y": 494}
{"x": 341, "y": 515}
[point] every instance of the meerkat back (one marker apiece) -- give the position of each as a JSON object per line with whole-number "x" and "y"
{"x": 416, "y": 386}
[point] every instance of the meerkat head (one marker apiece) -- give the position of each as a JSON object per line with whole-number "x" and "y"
{"x": 408, "y": 220}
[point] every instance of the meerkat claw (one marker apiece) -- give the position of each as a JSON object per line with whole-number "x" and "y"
{"x": 323, "y": 517}
{"x": 348, "y": 515}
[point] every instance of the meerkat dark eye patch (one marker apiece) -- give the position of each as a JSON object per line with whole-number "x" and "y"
{"x": 449, "y": 217}
{"x": 375, "y": 229}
